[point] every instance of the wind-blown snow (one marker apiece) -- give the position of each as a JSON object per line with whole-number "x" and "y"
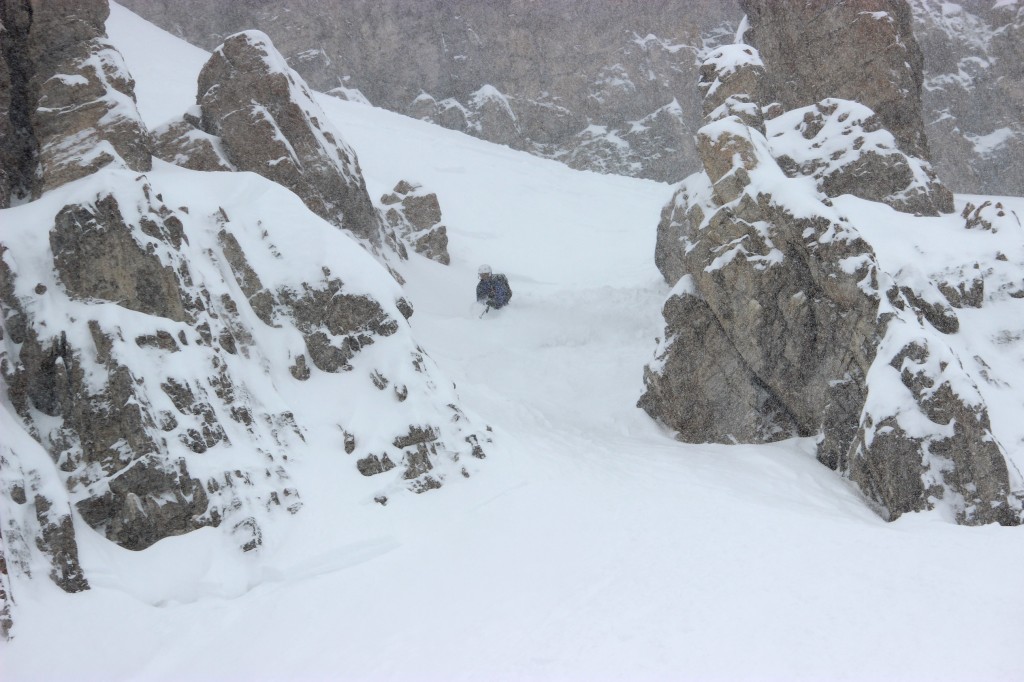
{"x": 591, "y": 546}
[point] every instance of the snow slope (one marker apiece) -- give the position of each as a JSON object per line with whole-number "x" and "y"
{"x": 590, "y": 546}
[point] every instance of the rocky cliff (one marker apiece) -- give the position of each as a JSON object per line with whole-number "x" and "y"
{"x": 599, "y": 86}
{"x": 973, "y": 91}
{"x": 782, "y": 323}
{"x": 863, "y": 51}
{"x": 163, "y": 328}
{"x": 606, "y": 86}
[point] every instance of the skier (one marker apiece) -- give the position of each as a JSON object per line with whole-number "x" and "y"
{"x": 492, "y": 290}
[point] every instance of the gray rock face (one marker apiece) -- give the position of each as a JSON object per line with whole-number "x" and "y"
{"x": 863, "y": 51}
{"x": 974, "y": 92}
{"x": 17, "y": 149}
{"x": 605, "y": 86}
{"x": 415, "y": 215}
{"x": 781, "y": 324}
{"x": 98, "y": 256}
{"x": 67, "y": 103}
{"x": 268, "y": 123}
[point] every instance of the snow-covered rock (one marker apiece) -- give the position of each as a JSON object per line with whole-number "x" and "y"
{"x": 781, "y": 323}
{"x": 843, "y": 146}
{"x": 145, "y": 348}
{"x": 254, "y": 113}
{"x": 182, "y": 143}
{"x": 732, "y": 83}
{"x": 268, "y": 123}
{"x": 162, "y": 333}
{"x": 415, "y": 215}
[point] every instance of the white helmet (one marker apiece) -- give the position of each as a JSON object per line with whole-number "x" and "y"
{"x": 484, "y": 270}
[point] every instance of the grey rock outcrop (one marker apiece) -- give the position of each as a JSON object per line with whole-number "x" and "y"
{"x": 256, "y": 114}
{"x": 732, "y": 82}
{"x": 128, "y": 359}
{"x": 106, "y": 441}
{"x": 67, "y": 102}
{"x": 267, "y": 122}
{"x": 97, "y": 255}
{"x": 863, "y": 51}
{"x": 16, "y": 144}
{"x": 415, "y": 215}
{"x": 781, "y": 323}
{"x": 131, "y": 345}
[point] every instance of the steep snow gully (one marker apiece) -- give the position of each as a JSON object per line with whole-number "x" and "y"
{"x": 592, "y": 546}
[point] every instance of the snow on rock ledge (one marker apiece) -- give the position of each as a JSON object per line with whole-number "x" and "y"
{"x": 842, "y": 145}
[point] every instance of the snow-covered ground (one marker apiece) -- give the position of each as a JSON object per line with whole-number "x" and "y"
{"x": 590, "y": 545}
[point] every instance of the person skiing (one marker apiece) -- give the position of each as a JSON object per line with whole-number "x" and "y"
{"x": 492, "y": 290}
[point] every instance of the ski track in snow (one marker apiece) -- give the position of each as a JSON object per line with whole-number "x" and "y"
{"x": 591, "y": 546}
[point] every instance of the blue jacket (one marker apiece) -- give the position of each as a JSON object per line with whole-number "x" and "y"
{"x": 494, "y": 291}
